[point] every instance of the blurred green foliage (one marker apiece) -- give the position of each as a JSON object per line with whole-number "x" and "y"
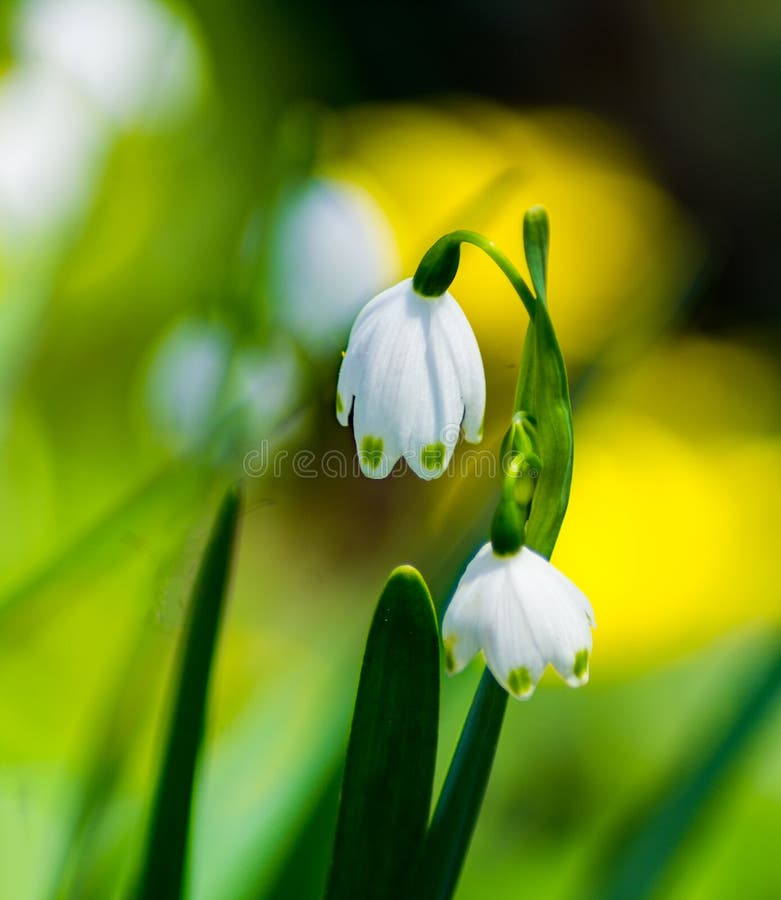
{"x": 131, "y": 217}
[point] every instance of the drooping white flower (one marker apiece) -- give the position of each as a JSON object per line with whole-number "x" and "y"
{"x": 524, "y": 614}
{"x": 413, "y": 375}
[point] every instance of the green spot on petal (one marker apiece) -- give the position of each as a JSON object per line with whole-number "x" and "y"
{"x": 371, "y": 450}
{"x": 520, "y": 680}
{"x": 581, "y": 663}
{"x": 450, "y": 656}
{"x": 433, "y": 456}
{"x": 339, "y": 404}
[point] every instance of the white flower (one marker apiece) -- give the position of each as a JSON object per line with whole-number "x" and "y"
{"x": 523, "y": 613}
{"x": 414, "y": 372}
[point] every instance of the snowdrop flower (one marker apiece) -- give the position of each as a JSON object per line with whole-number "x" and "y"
{"x": 413, "y": 376}
{"x": 523, "y": 613}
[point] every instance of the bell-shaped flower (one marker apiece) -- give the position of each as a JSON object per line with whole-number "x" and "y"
{"x": 413, "y": 376}
{"x": 523, "y": 614}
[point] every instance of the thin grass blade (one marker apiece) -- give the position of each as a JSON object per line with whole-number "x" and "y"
{"x": 163, "y": 866}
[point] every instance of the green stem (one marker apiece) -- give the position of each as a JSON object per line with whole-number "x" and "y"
{"x": 440, "y": 262}
{"x": 450, "y": 832}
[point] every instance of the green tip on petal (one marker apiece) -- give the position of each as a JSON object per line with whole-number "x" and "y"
{"x": 371, "y": 450}
{"x": 581, "y": 663}
{"x": 339, "y": 404}
{"x": 450, "y": 656}
{"x": 520, "y": 681}
{"x": 433, "y": 456}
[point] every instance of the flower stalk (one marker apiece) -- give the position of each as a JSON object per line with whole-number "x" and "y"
{"x": 439, "y": 265}
{"x": 542, "y": 393}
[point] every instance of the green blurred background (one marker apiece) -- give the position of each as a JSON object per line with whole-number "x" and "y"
{"x": 195, "y": 200}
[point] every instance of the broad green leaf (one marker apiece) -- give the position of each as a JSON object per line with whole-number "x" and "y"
{"x": 389, "y": 770}
{"x": 163, "y": 865}
{"x": 640, "y": 857}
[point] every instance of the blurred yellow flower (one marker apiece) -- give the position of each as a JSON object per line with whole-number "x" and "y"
{"x": 672, "y": 522}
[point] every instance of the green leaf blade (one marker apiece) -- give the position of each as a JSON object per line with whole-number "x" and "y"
{"x": 163, "y": 867}
{"x": 389, "y": 770}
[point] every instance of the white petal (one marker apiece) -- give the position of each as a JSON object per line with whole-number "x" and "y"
{"x": 346, "y": 386}
{"x": 510, "y": 649}
{"x": 437, "y": 423}
{"x": 374, "y": 315}
{"x": 462, "y": 626}
{"x": 379, "y": 413}
{"x": 556, "y": 613}
{"x": 469, "y": 366}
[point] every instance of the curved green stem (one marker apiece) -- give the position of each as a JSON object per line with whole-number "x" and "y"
{"x": 438, "y": 267}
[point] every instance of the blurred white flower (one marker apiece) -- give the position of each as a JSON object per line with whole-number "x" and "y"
{"x": 200, "y": 387}
{"x": 50, "y": 144}
{"x": 332, "y": 249}
{"x": 265, "y": 386}
{"x": 185, "y": 381}
{"x": 135, "y": 60}
{"x": 524, "y": 614}
{"x": 83, "y": 68}
{"x": 414, "y": 373}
